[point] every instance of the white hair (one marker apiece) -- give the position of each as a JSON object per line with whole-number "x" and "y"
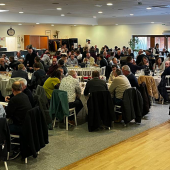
{"x": 126, "y": 68}
{"x": 23, "y": 80}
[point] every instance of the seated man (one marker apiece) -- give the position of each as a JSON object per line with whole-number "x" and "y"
{"x": 37, "y": 75}
{"x": 114, "y": 62}
{"x": 119, "y": 54}
{"x": 46, "y": 59}
{"x": 13, "y": 64}
{"x": 61, "y": 65}
{"x": 20, "y": 72}
{"x": 25, "y": 90}
{"x": 103, "y": 61}
{"x": 132, "y": 66}
{"x": 71, "y": 85}
{"x": 89, "y": 59}
{"x": 167, "y": 64}
{"x": 72, "y": 60}
{"x": 118, "y": 86}
{"x": 3, "y": 66}
{"x": 37, "y": 60}
{"x": 166, "y": 72}
{"x": 95, "y": 84}
{"x": 17, "y": 108}
{"x": 131, "y": 77}
{"x": 53, "y": 67}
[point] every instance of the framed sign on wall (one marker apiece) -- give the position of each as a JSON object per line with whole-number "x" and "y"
{"x": 48, "y": 33}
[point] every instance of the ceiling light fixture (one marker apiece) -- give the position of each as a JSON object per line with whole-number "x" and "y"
{"x": 75, "y": 25}
{"x": 37, "y": 23}
{"x": 152, "y": 22}
{"x": 116, "y": 24}
{"x": 59, "y": 9}
{"x": 94, "y": 16}
{"x": 2, "y": 4}
{"x": 1, "y": 10}
{"x": 52, "y": 25}
{"x": 19, "y": 24}
{"x": 21, "y": 12}
{"x": 149, "y": 8}
{"x": 98, "y": 6}
{"x": 62, "y": 15}
{"x": 100, "y": 12}
{"x": 131, "y": 14}
{"x": 109, "y": 4}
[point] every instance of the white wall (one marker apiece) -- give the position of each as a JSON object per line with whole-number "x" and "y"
{"x": 99, "y": 35}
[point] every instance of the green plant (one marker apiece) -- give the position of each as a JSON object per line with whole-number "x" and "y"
{"x": 133, "y": 43}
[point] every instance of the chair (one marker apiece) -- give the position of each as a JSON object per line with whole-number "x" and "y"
{"x": 34, "y": 134}
{"x": 59, "y": 107}
{"x": 5, "y": 143}
{"x": 102, "y": 71}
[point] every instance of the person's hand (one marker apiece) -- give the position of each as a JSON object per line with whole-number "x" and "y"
{"x": 30, "y": 68}
{"x": 147, "y": 64}
{"x": 7, "y": 98}
{"x": 27, "y": 64}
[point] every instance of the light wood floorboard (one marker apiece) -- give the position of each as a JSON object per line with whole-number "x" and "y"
{"x": 149, "y": 150}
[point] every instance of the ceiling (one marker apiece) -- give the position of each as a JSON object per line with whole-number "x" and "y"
{"x": 82, "y": 11}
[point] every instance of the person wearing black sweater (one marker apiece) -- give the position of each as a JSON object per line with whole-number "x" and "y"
{"x": 103, "y": 61}
{"x": 17, "y": 108}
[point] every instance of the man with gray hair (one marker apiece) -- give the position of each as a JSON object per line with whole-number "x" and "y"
{"x": 119, "y": 84}
{"x": 71, "y": 85}
{"x": 25, "y": 90}
{"x": 131, "y": 77}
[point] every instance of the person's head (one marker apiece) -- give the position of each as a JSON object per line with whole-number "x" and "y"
{"x": 101, "y": 57}
{"x": 64, "y": 45}
{"x": 58, "y": 53}
{"x": 88, "y": 55}
{"x": 114, "y": 67}
{"x": 145, "y": 60}
{"x": 72, "y": 57}
{"x": 116, "y": 48}
{"x": 157, "y": 45}
{"x": 95, "y": 74}
{"x": 47, "y": 53}
{"x": 30, "y": 51}
{"x": 114, "y": 60}
{"x": 118, "y": 72}
{"x": 129, "y": 51}
{"x": 129, "y": 59}
{"x": 4, "y": 56}
{"x": 118, "y": 52}
{"x": 140, "y": 51}
{"x": 21, "y": 60}
{"x": 56, "y": 74}
{"x": 88, "y": 41}
{"x": 23, "y": 83}
{"x": 2, "y": 61}
{"x": 61, "y": 70}
{"x": 124, "y": 48}
{"x": 11, "y": 58}
{"x": 95, "y": 46}
{"x": 64, "y": 58}
{"x": 167, "y": 64}
{"x": 60, "y": 63}
{"x": 158, "y": 61}
{"x": 54, "y": 62}
{"x": 16, "y": 87}
{"x": 77, "y": 53}
{"x": 104, "y": 53}
{"x": 36, "y": 66}
{"x": 126, "y": 70}
{"x": 18, "y": 54}
{"x": 148, "y": 52}
{"x": 79, "y": 46}
{"x": 21, "y": 67}
{"x": 112, "y": 54}
{"x": 68, "y": 53}
{"x": 37, "y": 59}
{"x": 72, "y": 73}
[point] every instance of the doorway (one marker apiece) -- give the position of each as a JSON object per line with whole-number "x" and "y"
{"x": 11, "y": 43}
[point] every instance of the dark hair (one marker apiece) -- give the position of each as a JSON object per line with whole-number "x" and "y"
{"x": 56, "y": 73}
{"x": 113, "y": 66}
{"x": 78, "y": 52}
{"x": 118, "y": 72}
{"x": 156, "y": 62}
{"x": 72, "y": 52}
{"x": 68, "y": 52}
{"x": 128, "y": 59}
{"x": 95, "y": 74}
{"x": 98, "y": 55}
{"x": 61, "y": 62}
{"x": 47, "y": 53}
{"x": 63, "y": 55}
{"x": 37, "y": 59}
{"x": 101, "y": 56}
{"x": 58, "y": 53}
{"x": 16, "y": 86}
{"x": 11, "y": 57}
{"x": 36, "y": 65}
{"x": 112, "y": 53}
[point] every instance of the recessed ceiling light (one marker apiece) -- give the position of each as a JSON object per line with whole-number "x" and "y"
{"x": 21, "y": 12}
{"x": 109, "y": 4}
{"x": 116, "y": 24}
{"x": 52, "y": 25}
{"x": 59, "y": 9}
{"x": 100, "y": 12}
{"x": 148, "y": 8}
{"x": 2, "y": 4}
{"x": 98, "y": 6}
{"x": 131, "y": 14}
{"x": 1, "y": 10}
{"x": 62, "y": 15}
{"x": 94, "y": 16}
{"x": 19, "y": 24}
{"x": 37, "y": 23}
{"x": 152, "y": 22}
{"x": 75, "y": 25}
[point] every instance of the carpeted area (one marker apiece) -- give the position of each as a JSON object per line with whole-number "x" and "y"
{"x": 66, "y": 147}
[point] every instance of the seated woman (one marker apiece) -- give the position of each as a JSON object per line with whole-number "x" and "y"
{"x": 52, "y": 83}
{"x": 158, "y": 64}
{"x": 130, "y": 53}
{"x": 144, "y": 62}
{"x": 111, "y": 77}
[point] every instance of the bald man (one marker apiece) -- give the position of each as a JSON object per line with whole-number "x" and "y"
{"x": 167, "y": 64}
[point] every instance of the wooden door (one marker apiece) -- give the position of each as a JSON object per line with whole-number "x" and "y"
{"x": 43, "y": 42}
{"x": 26, "y": 41}
{"x": 35, "y": 41}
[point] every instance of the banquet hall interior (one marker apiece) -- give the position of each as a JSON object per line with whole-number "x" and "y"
{"x": 84, "y": 85}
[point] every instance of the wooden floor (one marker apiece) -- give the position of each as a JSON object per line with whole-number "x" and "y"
{"x": 150, "y": 150}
